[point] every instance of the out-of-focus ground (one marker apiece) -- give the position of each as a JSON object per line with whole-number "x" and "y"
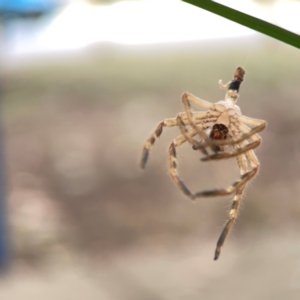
{"x": 87, "y": 223}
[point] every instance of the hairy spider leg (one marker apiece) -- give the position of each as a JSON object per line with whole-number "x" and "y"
{"x": 173, "y": 161}
{"x": 201, "y": 126}
{"x": 159, "y": 129}
{"x": 246, "y": 176}
{"x": 242, "y": 162}
{"x": 187, "y": 99}
{"x": 233, "y": 213}
{"x": 247, "y": 134}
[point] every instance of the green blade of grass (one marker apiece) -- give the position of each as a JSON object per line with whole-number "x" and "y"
{"x": 256, "y": 24}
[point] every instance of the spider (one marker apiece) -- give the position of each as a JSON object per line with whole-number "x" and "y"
{"x": 219, "y": 126}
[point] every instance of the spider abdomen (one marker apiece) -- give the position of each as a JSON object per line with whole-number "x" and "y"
{"x": 219, "y": 132}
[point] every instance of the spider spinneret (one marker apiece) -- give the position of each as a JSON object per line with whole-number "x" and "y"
{"x": 219, "y": 126}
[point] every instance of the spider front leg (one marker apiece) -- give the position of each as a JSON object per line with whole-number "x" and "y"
{"x": 196, "y": 144}
{"x": 212, "y": 115}
{"x": 187, "y": 99}
{"x": 158, "y": 131}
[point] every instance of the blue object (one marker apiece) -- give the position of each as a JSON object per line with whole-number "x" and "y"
{"x": 27, "y": 7}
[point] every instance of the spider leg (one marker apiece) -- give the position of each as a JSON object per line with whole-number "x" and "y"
{"x": 245, "y": 177}
{"x": 190, "y": 98}
{"x": 233, "y": 213}
{"x": 231, "y": 189}
{"x": 199, "y": 127}
{"x": 187, "y": 99}
{"x": 208, "y": 193}
{"x": 173, "y": 162}
{"x": 254, "y": 164}
{"x": 232, "y": 217}
{"x": 159, "y": 129}
{"x": 234, "y": 153}
{"x": 247, "y": 134}
{"x": 212, "y": 115}
{"x": 252, "y": 122}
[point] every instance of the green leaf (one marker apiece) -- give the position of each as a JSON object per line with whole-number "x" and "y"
{"x": 256, "y": 24}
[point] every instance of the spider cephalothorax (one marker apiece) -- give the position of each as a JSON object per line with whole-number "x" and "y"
{"x": 220, "y": 126}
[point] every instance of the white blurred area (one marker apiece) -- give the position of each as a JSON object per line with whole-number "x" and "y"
{"x": 80, "y": 24}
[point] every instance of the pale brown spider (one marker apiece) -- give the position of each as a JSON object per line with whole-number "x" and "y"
{"x": 219, "y": 126}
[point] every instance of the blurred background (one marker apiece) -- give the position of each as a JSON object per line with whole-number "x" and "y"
{"x": 84, "y": 83}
